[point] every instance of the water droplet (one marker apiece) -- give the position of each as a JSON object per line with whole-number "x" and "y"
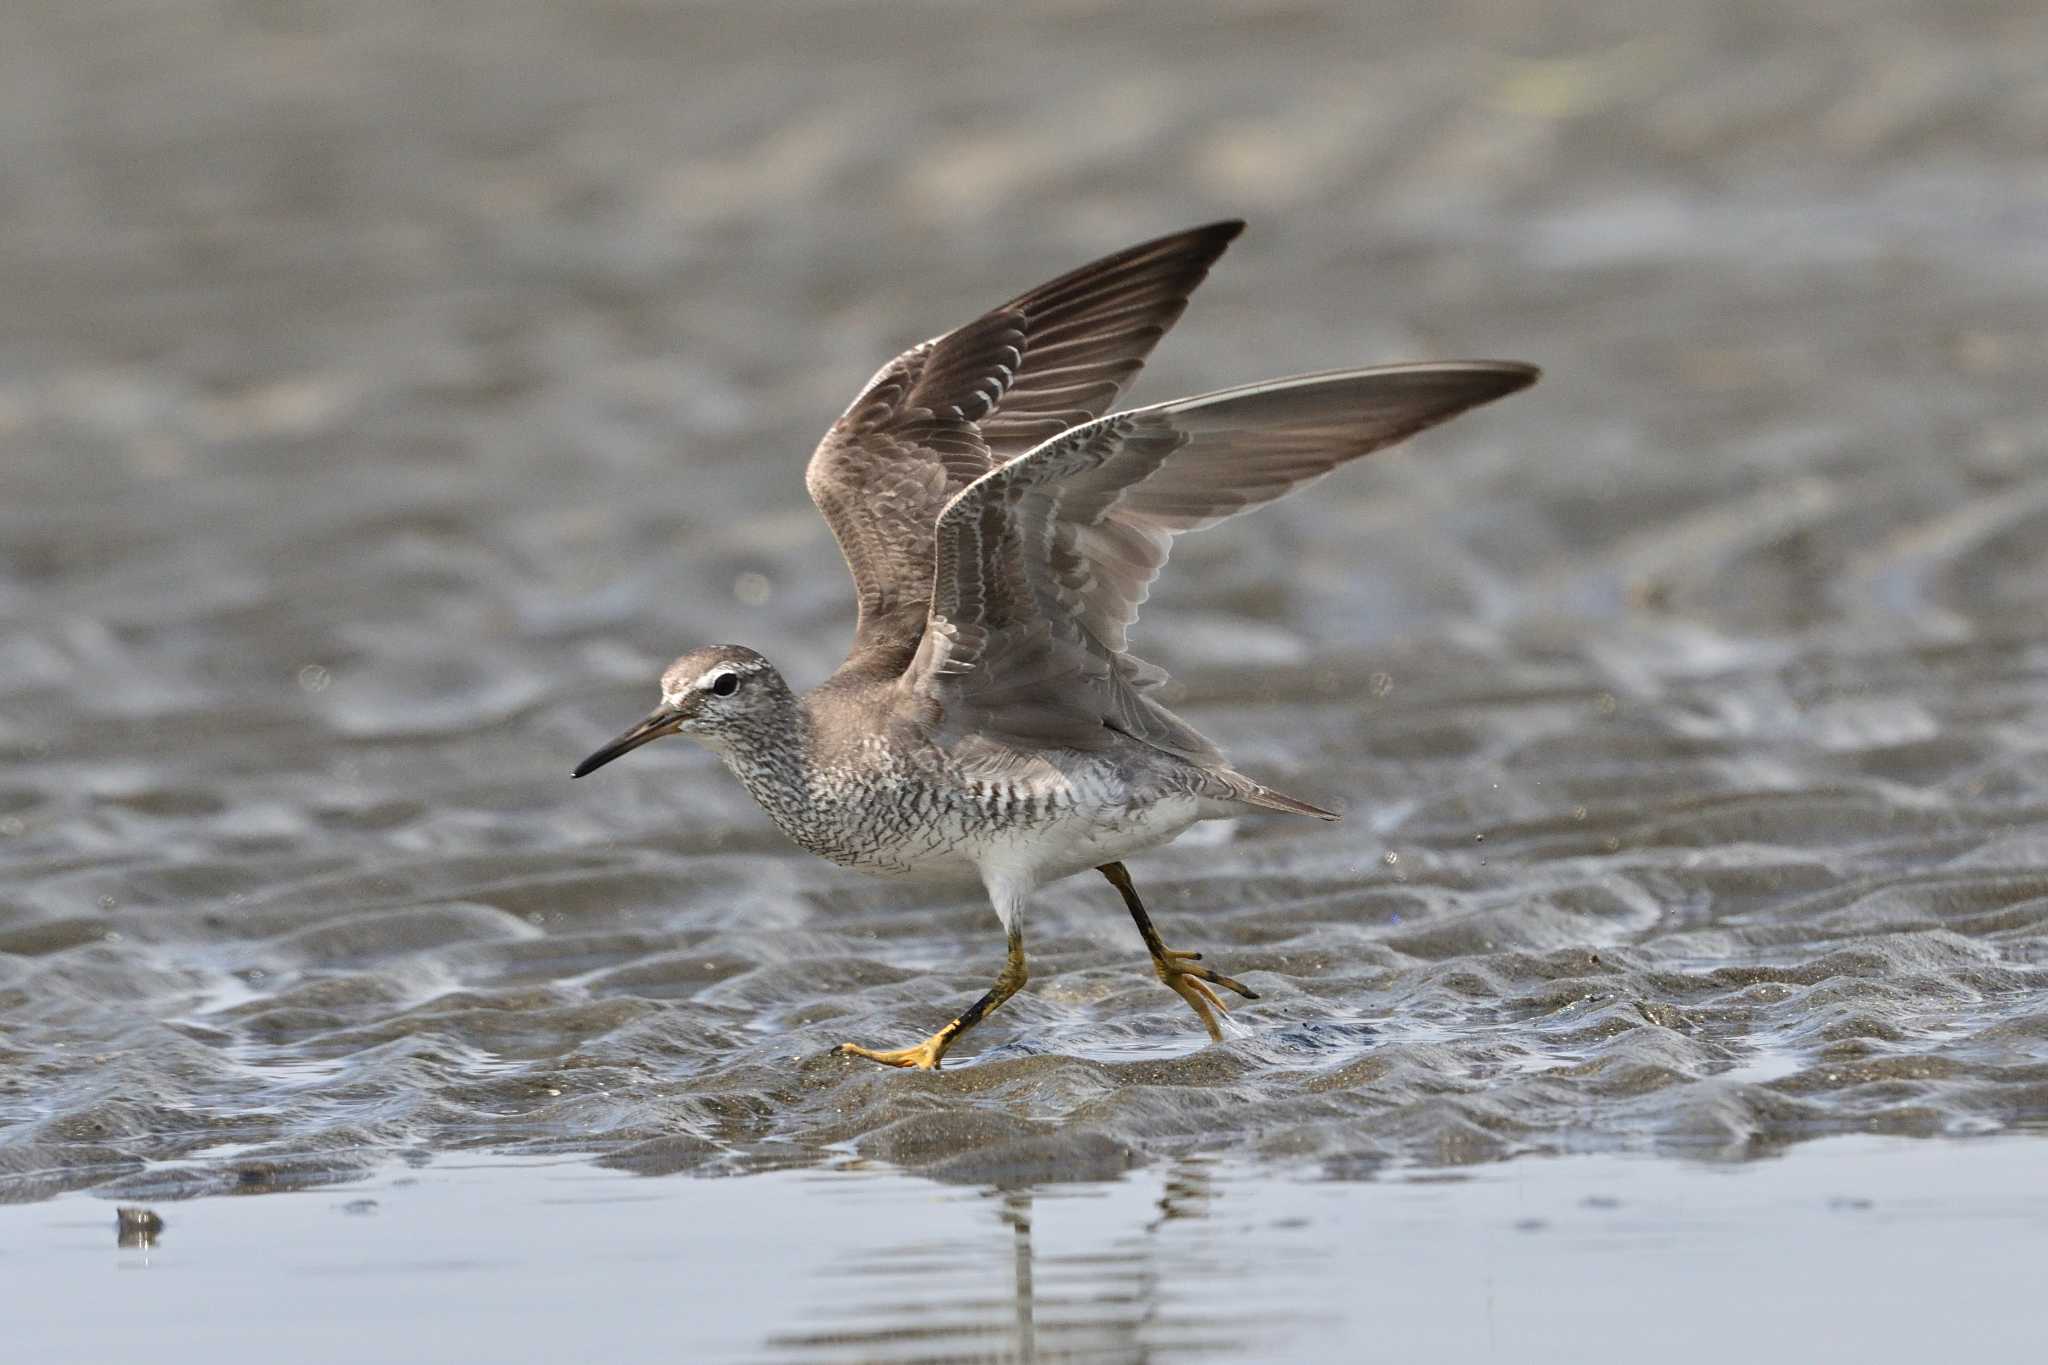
{"x": 314, "y": 678}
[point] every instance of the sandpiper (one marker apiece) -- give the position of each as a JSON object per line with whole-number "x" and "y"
{"x": 990, "y": 725}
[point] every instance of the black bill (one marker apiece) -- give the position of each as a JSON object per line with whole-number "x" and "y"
{"x": 662, "y": 721}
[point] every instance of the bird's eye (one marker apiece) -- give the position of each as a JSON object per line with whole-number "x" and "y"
{"x": 725, "y": 684}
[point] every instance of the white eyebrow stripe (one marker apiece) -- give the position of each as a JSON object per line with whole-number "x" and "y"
{"x": 711, "y": 675}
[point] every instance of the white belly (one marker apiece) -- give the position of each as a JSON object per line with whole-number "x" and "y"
{"x": 1072, "y": 842}
{"x": 1075, "y": 845}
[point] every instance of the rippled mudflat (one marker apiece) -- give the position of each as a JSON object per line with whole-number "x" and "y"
{"x": 384, "y": 397}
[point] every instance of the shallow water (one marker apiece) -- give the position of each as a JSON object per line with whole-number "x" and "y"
{"x": 385, "y": 397}
{"x": 1852, "y": 1248}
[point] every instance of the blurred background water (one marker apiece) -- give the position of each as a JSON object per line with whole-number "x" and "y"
{"x": 387, "y": 390}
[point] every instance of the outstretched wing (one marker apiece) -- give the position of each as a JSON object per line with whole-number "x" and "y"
{"x": 1043, "y": 562}
{"x": 946, "y": 412}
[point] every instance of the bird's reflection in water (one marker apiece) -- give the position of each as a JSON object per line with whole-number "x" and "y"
{"x": 1024, "y": 1336}
{"x": 1119, "y": 1287}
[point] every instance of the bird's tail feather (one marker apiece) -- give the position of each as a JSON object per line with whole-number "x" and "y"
{"x": 1252, "y": 793}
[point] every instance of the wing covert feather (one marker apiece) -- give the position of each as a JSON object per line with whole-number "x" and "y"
{"x": 947, "y": 411}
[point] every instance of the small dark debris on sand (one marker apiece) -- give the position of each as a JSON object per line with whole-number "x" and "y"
{"x": 137, "y": 1227}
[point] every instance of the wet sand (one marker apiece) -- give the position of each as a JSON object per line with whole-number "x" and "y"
{"x": 385, "y": 394}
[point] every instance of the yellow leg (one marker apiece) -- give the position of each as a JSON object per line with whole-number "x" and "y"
{"x": 1191, "y": 984}
{"x": 927, "y": 1055}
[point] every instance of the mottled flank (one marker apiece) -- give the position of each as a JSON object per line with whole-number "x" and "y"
{"x": 386, "y": 392}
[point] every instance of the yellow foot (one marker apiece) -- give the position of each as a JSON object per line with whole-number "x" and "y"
{"x": 1192, "y": 985}
{"x": 924, "y": 1057}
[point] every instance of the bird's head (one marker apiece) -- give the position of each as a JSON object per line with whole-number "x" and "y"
{"x": 720, "y": 695}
